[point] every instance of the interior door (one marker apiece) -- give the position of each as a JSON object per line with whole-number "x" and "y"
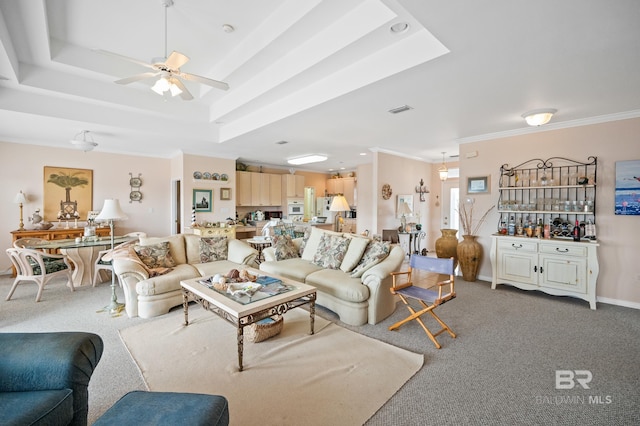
{"x": 176, "y": 208}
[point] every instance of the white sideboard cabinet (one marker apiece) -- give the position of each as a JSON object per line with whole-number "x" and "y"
{"x": 557, "y": 267}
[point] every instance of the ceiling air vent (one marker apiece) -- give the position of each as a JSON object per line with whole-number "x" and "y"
{"x": 400, "y": 109}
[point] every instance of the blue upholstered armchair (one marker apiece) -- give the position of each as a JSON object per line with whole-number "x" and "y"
{"x": 44, "y": 377}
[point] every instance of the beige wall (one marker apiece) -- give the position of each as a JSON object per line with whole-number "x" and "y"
{"x": 22, "y": 169}
{"x": 618, "y": 236}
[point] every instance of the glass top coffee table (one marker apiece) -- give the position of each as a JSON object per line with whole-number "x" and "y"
{"x": 243, "y": 311}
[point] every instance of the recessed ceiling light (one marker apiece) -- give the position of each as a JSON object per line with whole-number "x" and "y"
{"x": 227, "y": 28}
{"x": 281, "y": 142}
{"x": 399, "y": 27}
{"x": 313, "y": 158}
{"x": 363, "y": 153}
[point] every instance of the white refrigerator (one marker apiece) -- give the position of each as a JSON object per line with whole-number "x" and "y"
{"x": 322, "y": 208}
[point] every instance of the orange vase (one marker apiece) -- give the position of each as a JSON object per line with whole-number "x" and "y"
{"x": 469, "y": 256}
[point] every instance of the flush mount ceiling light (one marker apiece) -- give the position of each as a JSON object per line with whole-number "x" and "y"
{"x": 83, "y": 144}
{"x": 400, "y": 109}
{"x": 442, "y": 170}
{"x": 538, "y": 117}
{"x": 313, "y": 158}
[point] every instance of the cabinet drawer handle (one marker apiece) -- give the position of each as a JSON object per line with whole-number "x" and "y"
{"x": 562, "y": 251}
{"x": 516, "y": 246}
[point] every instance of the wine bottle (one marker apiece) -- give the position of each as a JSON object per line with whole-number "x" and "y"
{"x": 576, "y": 232}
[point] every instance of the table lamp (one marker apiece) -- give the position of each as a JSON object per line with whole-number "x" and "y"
{"x": 338, "y": 204}
{"x": 111, "y": 212}
{"x": 404, "y": 210}
{"x": 20, "y": 199}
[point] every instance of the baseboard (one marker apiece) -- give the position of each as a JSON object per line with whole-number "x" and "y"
{"x": 618, "y": 302}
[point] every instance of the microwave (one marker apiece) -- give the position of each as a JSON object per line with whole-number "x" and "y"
{"x": 295, "y": 209}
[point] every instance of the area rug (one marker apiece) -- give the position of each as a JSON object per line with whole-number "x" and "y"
{"x": 335, "y": 376}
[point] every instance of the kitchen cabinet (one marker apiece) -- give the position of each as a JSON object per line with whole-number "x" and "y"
{"x": 243, "y": 188}
{"x": 345, "y": 186}
{"x": 293, "y": 186}
{"x": 258, "y": 189}
{"x": 560, "y": 268}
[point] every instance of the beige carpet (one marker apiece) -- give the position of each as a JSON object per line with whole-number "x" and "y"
{"x": 334, "y": 377}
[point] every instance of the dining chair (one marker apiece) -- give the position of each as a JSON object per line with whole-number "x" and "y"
{"x": 39, "y": 267}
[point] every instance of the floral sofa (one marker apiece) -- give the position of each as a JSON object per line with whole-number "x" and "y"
{"x": 351, "y": 273}
{"x": 150, "y": 271}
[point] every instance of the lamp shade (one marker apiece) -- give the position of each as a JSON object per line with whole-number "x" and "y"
{"x": 20, "y": 198}
{"x": 404, "y": 209}
{"x": 111, "y": 211}
{"x": 339, "y": 204}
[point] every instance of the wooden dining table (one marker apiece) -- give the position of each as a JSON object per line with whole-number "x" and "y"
{"x": 83, "y": 254}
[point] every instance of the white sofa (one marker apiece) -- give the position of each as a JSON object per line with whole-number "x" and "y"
{"x": 148, "y": 297}
{"x": 356, "y": 299}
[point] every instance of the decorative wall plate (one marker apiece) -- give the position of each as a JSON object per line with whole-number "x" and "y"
{"x": 135, "y": 196}
{"x": 206, "y": 175}
{"x": 197, "y": 175}
{"x": 224, "y": 177}
{"x": 135, "y": 182}
{"x": 386, "y": 191}
{"x": 215, "y": 176}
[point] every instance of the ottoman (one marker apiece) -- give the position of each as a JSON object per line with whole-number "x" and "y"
{"x": 167, "y": 409}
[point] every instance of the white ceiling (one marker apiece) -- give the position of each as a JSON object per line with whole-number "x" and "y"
{"x": 320, "y": 75}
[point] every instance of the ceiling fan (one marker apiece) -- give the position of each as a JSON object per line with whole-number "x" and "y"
{"x": 167, "y": 68}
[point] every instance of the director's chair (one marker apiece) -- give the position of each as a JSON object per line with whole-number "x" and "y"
{"x": 428, "y": 299}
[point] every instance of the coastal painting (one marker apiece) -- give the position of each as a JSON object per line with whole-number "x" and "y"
{"x": 628, "y": 188}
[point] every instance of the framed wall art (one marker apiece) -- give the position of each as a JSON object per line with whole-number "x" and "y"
{"x": 627, "y": 188}
{"x": 225, "y": 193}
{"x": 401, "y": 200}
{"x": 202, "y": 202}
{"x": 478, "y": 185}
{"x": 68, "y": 193}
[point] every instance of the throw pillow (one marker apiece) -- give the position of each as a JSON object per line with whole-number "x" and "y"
{"x": 331, "y": 251}
{"x": 213, "y": 248}
{"x": 357, "y": 246}
{"x": 305, "y": 238}
{"x": 284, "y": 247}
{"x": 376, "y": 251}
{"x": 155, "y": 255}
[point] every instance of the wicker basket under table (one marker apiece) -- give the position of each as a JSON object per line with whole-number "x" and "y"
{"x": 258, "y": 332}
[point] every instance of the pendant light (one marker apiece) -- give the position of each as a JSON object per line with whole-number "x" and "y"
{"x": 442, "y": 170}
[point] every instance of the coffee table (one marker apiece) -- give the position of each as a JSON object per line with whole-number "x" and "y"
{"x": 242, "y": 315}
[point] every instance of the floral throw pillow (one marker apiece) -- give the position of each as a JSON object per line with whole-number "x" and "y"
{"x": 213, "y": 248}
{"x": 284, "y": 247}
{"x": 331, "y": 251}
{"x": 155, "y": 255}
{"x": 305, "y": 238}
{"x": 376, "y": 252}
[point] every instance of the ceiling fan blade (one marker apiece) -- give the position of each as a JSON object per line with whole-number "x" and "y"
{"x": 213, "y": 83}
{"x": 126, "y": 58}
{"x": 137, "y": 77}
{"x": 176, "y": 60}
{"x": 186, "y": 95}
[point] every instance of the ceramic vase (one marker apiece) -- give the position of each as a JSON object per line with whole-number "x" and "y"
{"x": 447, "y": 244}
{"x": 469, "y": 254}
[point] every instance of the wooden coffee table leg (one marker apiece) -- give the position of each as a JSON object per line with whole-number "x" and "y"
{"x": 240, "y": 345}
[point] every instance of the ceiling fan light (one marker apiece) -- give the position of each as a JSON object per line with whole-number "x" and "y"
{"x": 161, "y": 86}
{"x": 539, "y": 117}
{"x": 83, "y": 144}
{"x": 175, "y": 90}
